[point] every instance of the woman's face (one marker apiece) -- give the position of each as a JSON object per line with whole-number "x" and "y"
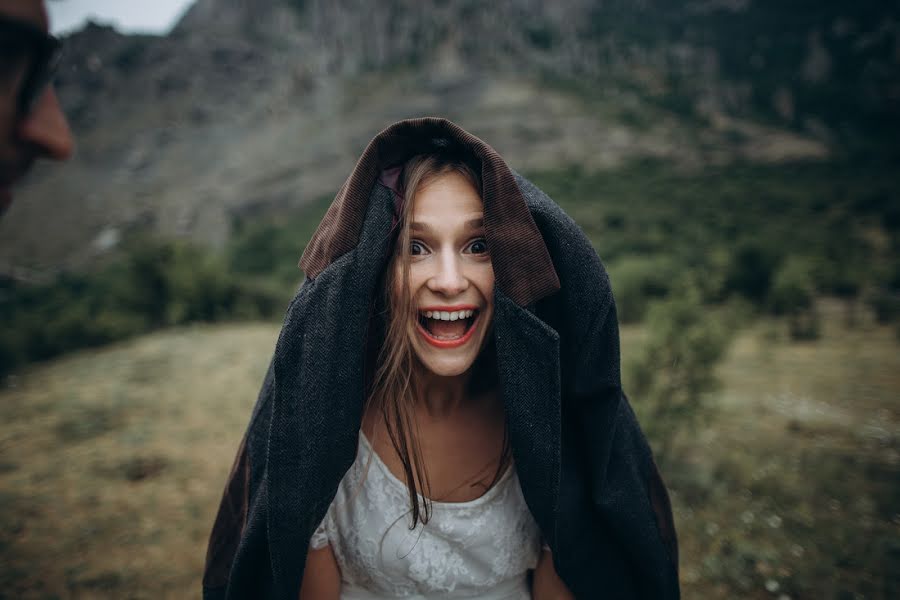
{"x": 451, "y": 280}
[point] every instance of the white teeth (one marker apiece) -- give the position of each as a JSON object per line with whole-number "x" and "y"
{"x": 443, "y": 315}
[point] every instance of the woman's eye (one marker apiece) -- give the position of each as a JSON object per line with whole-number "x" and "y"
{"x": 478, "y": 246}
{"x": 416, "y": 248}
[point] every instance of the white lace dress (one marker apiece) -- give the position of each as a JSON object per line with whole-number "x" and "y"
{"x": 478, "y": 549}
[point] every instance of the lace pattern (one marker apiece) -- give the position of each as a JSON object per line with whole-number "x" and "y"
{"x": 464, "y": 551}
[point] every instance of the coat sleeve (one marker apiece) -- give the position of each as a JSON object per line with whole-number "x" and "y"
{"x": 234, "y": 508}
{"x": 626, "y": 486}
{"x": 626, "y": 538}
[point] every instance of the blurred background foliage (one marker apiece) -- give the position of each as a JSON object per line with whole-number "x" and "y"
{"x": 732, "y": 161}
{"x": 774, "y": 236}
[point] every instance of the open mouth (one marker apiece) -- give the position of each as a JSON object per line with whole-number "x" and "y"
{"x": 447, "y": 328}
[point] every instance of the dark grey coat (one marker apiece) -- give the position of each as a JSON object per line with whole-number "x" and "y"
{"x": 586, "y": 471}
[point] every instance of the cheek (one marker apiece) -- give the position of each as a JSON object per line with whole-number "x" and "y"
{"x": 486, "y": 284}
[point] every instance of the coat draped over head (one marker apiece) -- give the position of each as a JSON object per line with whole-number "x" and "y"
{"x": 586, "y": 471}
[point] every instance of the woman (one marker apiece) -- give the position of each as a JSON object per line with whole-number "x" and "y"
{"x": 505, "y": 431}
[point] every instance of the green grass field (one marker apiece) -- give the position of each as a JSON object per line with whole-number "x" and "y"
{"x": 112, "y": 462}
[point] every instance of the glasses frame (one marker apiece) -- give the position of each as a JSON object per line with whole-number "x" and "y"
{"x": 44, "y": 52}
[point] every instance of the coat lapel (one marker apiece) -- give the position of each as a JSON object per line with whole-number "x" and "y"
{"x": 528, "y": 366}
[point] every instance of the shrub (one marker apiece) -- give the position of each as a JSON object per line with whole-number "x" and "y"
{"x": 792, "y": 288}
{"x": 674, "y": 373}
{"x": 750, "y": 270}
{"x": 712, "y": 274}
{"x": 792, "y": 294}
{"x": 637, "y": 280}
{"x": 885, "y": 304}
{"x": 154, "y": 284}
{"x": 272, "y": 249}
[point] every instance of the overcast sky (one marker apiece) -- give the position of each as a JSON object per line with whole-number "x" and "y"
{"x": 147, "y": 16}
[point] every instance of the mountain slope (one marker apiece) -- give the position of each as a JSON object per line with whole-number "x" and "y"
{"x": 260, "y": 107}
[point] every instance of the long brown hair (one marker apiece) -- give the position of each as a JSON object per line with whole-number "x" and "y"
{"x": 393, "y": 394}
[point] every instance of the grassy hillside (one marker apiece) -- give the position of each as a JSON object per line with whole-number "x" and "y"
{"x": 113, "y": 462}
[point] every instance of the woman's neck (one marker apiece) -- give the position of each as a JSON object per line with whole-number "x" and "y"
{"x": 442, "y": 396}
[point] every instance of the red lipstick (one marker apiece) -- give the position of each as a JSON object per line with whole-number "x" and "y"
{"x": 453, "y": 308}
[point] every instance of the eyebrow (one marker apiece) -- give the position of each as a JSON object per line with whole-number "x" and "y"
{"x": 470, "y": 224}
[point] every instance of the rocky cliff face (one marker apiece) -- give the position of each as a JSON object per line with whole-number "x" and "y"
{"x": 264, "y": 105}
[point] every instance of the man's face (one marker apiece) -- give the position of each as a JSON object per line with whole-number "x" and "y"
{"x": 36, "y": 131}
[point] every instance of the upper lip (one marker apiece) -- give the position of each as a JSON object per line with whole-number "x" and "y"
{"x": 454, "y": 308}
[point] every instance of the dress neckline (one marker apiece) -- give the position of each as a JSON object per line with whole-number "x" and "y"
{"x": 509, "y": 473}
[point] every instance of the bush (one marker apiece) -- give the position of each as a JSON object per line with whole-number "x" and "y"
{"x": 712, "y": 274}
{"x": 675, "y": 371}
{"x": 272, "y": 249}
{"x": 154, "y": 284}
{"x": 885, "y": 304}
{"x": 792, "y": 288}
{"x": 750, "y": 271}
{"x": 637, "y": 280}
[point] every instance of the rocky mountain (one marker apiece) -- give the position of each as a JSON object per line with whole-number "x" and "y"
{"x": 260, "y": 107}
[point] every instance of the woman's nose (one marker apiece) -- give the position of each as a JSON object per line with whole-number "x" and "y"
{"x": 449, "y": 278}
{"x": 45, "y": 128}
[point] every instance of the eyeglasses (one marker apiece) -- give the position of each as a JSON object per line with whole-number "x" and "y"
{"x": 22, "y": 41}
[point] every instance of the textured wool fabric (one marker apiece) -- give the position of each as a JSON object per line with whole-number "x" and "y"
{"x": 586, "y": 471}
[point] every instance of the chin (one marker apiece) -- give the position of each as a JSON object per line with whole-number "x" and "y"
{"x": 445, "y": 362}
{"x": 444, "y": 366}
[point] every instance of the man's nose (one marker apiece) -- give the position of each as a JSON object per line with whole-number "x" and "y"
{"x": 46, "y": 128}
{"x": 449, "y": 279}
